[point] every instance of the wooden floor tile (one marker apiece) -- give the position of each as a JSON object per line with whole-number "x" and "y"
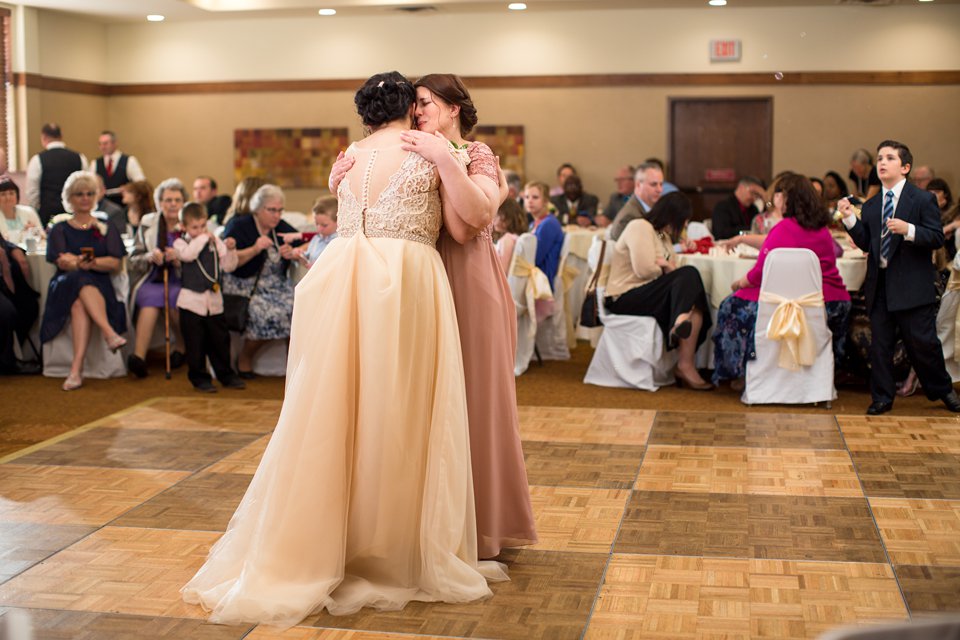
{"x": 76, "y": 495}
{"x": 679, "y": 598}
{"x": 78, "y": 625}
{"x": 23, "y": 544}
{"x": 141, "y": 448}
{"x": 909, "y": 475}
{"x": 600, "y": 466}
{"x": 201, "y": 414}
{"x": 792, "y": 472}
{"x": 907, "y": 435}
{"x": 549, "y": 595}
{"x": 571, "y": 519}
{"x": 768, "y": 430}
{"x": 600, "y": 426}
{"x": 204, "y": 502}
{"x": 244, "y": 461}
{"x": 749, "y": 526}
{"x": 309, "y": 633}
{"x": 920, "y": 532}
{"x": 930, "y": 590}
{"x": 116, "y": 570}
{"x": 18, "y": 435}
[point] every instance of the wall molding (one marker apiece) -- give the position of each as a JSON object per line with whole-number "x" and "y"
{"x": 808, "y": 78}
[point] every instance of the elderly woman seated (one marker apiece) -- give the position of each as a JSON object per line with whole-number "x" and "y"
{"x": 263, "y": 258}
{"x": 804, "y": 225}
{"x": 16, "y": 220}
{"x": 645, "y": 281}
{"x": 86, "y": 251}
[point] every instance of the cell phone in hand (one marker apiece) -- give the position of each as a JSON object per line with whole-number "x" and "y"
{"x": 87, "y": 254}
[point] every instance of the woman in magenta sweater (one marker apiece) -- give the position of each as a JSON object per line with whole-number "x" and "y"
{"x": 804, "y": 226}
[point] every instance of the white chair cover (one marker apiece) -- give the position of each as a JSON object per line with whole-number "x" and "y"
{"x": 99, "y": 362}
{"x": 552, "y": 331}
{"x": 270, "y": 360}
{"x": 593, "y": 258}
{"x": 526, "y": 248}
{"x": 947, "y": 322}
{"x": 791, "y": 274}
{"x": 575, "y": 294}
{"x": 698, "y": 230}
{"x": 297, "y": 220}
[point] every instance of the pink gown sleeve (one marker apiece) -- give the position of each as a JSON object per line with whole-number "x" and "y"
{"x": 482, "y": 162}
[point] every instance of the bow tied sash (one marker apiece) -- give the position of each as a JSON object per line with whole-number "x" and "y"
{"x": 538, "y": 286}
{"x": 953, "y": 284}
{"x": 788, "y": 325}
{"x": 568, "y": 275}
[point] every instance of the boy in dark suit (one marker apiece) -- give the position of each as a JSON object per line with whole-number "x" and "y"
{"x": 900, "y": 228}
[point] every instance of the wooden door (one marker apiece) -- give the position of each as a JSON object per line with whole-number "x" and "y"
{"x": 716, "y": 141}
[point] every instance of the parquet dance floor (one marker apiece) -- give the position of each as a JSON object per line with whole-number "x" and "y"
{"x": 652, "y": 524}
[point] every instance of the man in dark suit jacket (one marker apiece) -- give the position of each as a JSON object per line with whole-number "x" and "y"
{"x": 900, "y": 228}
{"x": 573, "y": 205}
{"x": 735, "y": 213}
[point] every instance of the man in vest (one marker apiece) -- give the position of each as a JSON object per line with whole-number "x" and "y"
{"x": 115, "y": 167}
{"x": 48, "y": 170}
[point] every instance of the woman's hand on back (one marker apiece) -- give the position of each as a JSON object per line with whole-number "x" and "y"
{"x": 431, "y": 146}
{"x": 340, "y": 168}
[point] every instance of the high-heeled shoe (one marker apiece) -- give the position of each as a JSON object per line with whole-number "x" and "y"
{"x": 909, "y": 386}
{"x": 72, "y": 382}
{"x": 680, "y": 331}
{"x": 696, "y": 386}
{"x": 116, "y": 342}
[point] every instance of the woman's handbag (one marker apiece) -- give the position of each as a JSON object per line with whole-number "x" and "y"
{"x": 590, "y": 313}
{"x": 236, "y": 306}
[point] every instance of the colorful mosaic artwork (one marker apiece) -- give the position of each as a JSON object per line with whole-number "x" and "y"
{"x": 289, "y": 158}
{"x": 506, "y": 141}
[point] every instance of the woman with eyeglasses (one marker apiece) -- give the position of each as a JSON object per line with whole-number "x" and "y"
{"x": 264, "y": 251}
{"x": 86, "y": 252}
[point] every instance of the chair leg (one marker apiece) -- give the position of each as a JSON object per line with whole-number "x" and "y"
{"x": 536, "y": 352}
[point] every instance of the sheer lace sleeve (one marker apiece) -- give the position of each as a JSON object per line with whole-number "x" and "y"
{"x": 114, "y": 243}
{"x": 56, "y": 242}
{"x": 482, "y": 162}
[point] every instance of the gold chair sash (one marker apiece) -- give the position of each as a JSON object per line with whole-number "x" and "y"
{"x": 953, "y": 284}
{"x": 568, "y": 274}
{"x": 788, "y": 324}
{"x": 538, "y": 288}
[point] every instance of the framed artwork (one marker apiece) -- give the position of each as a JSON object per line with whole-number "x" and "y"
{"x": 506, "y": 141}
{"x": 288, "y": 158}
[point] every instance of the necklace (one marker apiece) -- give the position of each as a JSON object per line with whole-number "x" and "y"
{"x": 216, "y": 267}
{"x": 83, "y": 225}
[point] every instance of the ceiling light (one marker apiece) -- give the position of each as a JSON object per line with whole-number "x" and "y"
{"x": 926, "y": 0}
{"x": 153, "y": 17}
{"x": 327, "y": 12}
{"x": 517, "y": 6}
{"x": 717, "y": 3}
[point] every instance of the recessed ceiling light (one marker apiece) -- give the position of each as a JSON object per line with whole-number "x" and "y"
{"x": 717, "y": 3}
{"x": 327, "y": 12}
{"x": 926, "y": 0}
{"x": 517, "y": 6}
{"x": 154, "y": 17}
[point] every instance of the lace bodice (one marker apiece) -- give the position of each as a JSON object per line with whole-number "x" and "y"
{"x": 408, "y": 207}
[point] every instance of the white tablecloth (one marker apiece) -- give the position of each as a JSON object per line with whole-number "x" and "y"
{"x": 720, "y": 272}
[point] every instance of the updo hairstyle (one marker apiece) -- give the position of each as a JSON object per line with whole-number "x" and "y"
{"x": 451, "y": 90}
{"x": 384, "y": 98}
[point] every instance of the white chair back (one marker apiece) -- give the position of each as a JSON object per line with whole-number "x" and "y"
{"x": 525, "y": 248}
{"x": 297, "y": 220}
{"x": 698, "y": 230}
{"x": 790, "y": 274}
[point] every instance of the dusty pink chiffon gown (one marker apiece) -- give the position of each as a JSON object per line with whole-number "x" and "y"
{"x": 488, "y": 338}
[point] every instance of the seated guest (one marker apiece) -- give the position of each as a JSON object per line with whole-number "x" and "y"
{"x": 16, "y": 219}
{"x": 735, "y": 213}
{"x": 240, "y": 205}
{"x": 804, "y": 226}
{"x": 573, "y": 205}
{"x": 205, "y": 192}
{"x": 949, "y": 212}
{"x": 922, "y": 175}
{"x": 138, "y": 199}
{"x": 647, "y": 189}
{"x": 86, "y": 251}
{"x": 645, "y": 281}
{"x": 546, "y": 227}
{"x": 765, "y": 221}
{"x": 325, "y": 218}
{"x": 564, "y": 171}
{"x": 817, "y": 185}
{"x": 152, "y": 254}
{"x": 623, "y": 179}
{"x": 508, "y": 225}
{"x": 261, "y": 275}
{"x": 863, "y": 175}
{"x": 108, "y": 210}
{"x": 834, "y": 188}
{"x": 18, "y": 309}
{"x": 668, "y": 187}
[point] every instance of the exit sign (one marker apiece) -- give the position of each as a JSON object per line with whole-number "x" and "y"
{"x": 724, "y": 51}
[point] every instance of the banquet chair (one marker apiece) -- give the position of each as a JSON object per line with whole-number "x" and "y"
{"x": 297, "y": 220}
{"x": 791, "y": 274}
{"x": 947, "y": 324}
{"x": 270, "y": 360}
{"x": 99, "y": 362}
{"x": 525, "y": 250}
{"x": 551, "y": 342}
{"x": 698, "y": 230}
{"x": 593, "y": 258}
{"x": 631, "y": 352}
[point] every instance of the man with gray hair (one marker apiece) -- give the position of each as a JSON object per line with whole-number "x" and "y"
{"x": 922, "y": 176}
{"x": 648, "y": 186}
{"x": 48, "y": 171}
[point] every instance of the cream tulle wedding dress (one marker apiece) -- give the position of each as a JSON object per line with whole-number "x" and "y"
{"x": 364, "y": 495}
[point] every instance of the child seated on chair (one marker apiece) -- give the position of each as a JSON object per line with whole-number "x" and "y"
{"x": 325, "y": 217}
{"x": 204, "y": 257}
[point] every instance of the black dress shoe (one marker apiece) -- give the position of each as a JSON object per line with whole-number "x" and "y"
{"x": 23, "y": 368}
{"x": 234, "y": 383}
{"x": 246, "y": 375}
{"x": 877, "y": 408}
{"x": 952, "y": 402}
{"x": 206, "y": 386}
{"x": 137, "y": 366}
{"x": 177, "y": 359}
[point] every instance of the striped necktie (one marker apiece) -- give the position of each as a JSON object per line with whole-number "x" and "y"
{"x": 885, "y": 235}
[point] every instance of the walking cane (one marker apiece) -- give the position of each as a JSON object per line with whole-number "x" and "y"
{"x": 166, "y": 318}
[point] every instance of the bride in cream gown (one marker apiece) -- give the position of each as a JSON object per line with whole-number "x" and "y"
{"x": 364, "y": 494}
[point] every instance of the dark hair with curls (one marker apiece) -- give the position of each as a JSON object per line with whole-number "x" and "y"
{"x": 803, "y": 203}
{"x": 673, "y": 209}
{"x": 936, "y": 184}
{"x": 384, "y": 98}
{"x": 451, "y": 90}
{"x": 841, "y": 183}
